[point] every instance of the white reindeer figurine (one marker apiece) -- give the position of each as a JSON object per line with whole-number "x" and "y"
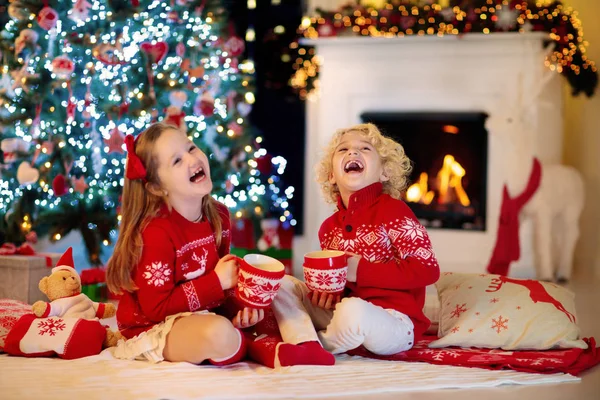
{"x": 556, "y": 206}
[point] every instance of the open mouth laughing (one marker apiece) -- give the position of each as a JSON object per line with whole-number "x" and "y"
{"x": 198, "y": 175}
{"x": 354, "y": 166}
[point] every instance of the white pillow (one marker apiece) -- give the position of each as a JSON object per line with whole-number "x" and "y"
{"x": 491, "y": 311}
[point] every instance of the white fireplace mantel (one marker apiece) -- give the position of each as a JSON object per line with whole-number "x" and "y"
{"x": 472, "y": 72}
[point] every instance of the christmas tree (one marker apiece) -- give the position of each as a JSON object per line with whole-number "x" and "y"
{"x": 77, "y": 76}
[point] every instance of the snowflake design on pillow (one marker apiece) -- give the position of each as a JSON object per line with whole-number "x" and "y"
{"x": 157, "y": 274}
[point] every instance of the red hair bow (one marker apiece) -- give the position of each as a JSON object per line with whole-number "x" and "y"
{"x": 135, "y": 168}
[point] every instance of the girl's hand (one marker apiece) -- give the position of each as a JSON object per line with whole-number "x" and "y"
{"x": 227, "y": 271}
{"x": 324, "y": 300}
{"x": 248, "y": 317}
{"x": 353, "y": 260}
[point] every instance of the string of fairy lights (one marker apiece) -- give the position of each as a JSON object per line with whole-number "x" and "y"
{"x": 391, "y": 19}
{"x": 87, "y": 136}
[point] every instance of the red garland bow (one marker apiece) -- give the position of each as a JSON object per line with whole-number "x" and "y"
{"x": 135, "y": 168}
{"x": 10, "y": 249}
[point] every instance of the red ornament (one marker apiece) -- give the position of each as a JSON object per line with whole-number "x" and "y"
{"x": 155, "y": 52}
{"x": 326, "y": 30}
{"x": 31, "y": 237}
{"x": 115, "y": 141}
{"x": 47, "y": 18}
{"x": 63, "y": 67}
{"x": 205, "y": 105}
{"x": 234, "y": 46}
{"x": 264, "y": 165}
{"x": 59, "y": 185}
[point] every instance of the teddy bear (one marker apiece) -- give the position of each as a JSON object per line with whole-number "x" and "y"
{"x": 63, "y": 288}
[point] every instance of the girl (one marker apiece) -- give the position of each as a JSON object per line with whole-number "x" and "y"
{"x": 171, "y": 260}
{"x": 391, "y": 259}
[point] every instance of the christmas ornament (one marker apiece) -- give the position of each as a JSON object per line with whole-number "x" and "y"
{"x": 59, "y": 185}
{"x": 27, "y": 38}
{"x": 204, "y": 105}
{"x": 108, "y": 54}
{"x": 26, "y": 174}
{"x": 47, "y": 18}
{"x": 234, "y": 46}
{"x": 195, "y": 72}
{"x": 31, "y": 237}
{"x": 244, "y": 108}
{"x": 18, "y": 11}
{"x": 174, "y": 114}
{"x": 235, "y": 128}
{"x": 63, "y": 67}
{"x": 269, "y": 238}
{"x": 20, "y": 77}
{"x": 79, "y": 184}
{"x": 155, "y": 52}
{"x": 264, "y": 164}
{"x": 12, "y": 146}
{"x": 326, "y": 30}
{"x": 229, "y": 186}
{"x": 506, "y": 18}
{"x": 115, "y": 141}
{"x": 80, "y": 11}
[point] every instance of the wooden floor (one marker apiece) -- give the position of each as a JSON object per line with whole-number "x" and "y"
{"x": 587, "y": 299}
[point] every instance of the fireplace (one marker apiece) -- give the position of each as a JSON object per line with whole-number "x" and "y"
{"x": 449, "y": 155}
{"x": 451, "y": 81}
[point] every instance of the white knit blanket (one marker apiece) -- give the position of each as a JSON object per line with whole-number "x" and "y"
{"x": 104, "y": 377}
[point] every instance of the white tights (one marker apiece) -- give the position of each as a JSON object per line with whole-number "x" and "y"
{"x": 354, "y": 322}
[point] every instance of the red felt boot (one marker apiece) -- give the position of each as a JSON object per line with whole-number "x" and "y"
{"x": 271, "y": 351}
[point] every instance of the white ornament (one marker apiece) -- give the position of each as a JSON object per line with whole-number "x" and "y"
{"x": 244, "y": 108}
{"x": 507, "y": 18}
{"x": 80, "y": 11}
{"x": 178, "y": 98}
{"x": 26, "y": 174}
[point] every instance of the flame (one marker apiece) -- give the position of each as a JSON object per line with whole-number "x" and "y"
{"x": 449, "y": 177}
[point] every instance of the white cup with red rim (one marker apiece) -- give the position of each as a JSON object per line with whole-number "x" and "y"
{"x": 259, "y": 279}
{"x": 326, "y": 271}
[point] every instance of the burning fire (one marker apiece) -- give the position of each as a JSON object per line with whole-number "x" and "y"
{"x": 449, "y": 177}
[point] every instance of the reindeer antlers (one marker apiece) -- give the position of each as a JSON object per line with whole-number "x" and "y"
{"x": 494, "y": 285}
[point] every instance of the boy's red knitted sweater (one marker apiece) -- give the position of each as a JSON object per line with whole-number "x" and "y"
{"x": 397, "y": 260}
{"x": 176, "y": 271}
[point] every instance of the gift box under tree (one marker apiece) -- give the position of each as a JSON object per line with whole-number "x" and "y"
{"x": 93, "y": 284}
{"x": 274, "y": 240}
{"x": 21, "y": 270}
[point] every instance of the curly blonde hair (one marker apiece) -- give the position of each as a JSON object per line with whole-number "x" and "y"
{"x": 396, "y": 165}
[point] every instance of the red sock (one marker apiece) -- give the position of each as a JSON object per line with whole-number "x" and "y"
{"x": 238, "y": 356}
{"x": 266, "y": 348}
{"x": 307, "y": 353}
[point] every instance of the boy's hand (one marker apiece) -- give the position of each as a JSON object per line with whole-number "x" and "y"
{"x": 324, "y": 300}
{"x": 353, "y": 260}
{"x": 248, "y": 317}
{"x": 227, "y": 271}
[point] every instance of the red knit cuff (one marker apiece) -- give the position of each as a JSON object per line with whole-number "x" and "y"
{"x": 210, "y": 292}
{"x": 47, "y": 312}
{"x": 100, "y": 310}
